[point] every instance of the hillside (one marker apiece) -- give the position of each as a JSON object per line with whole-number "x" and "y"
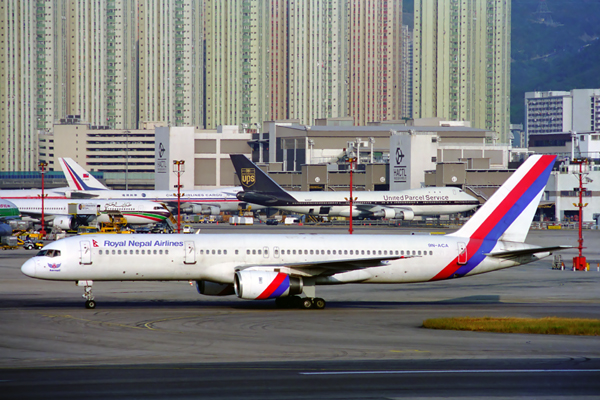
{"x": 559, "y": 50}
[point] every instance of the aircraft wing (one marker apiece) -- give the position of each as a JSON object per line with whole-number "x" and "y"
{"x": 381, "y": 211}
{"x": 331, "y": 267}
{"x": 526, "y": 252}
{"x": 83, "y": 195}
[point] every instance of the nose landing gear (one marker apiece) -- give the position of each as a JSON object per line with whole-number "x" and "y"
{"x": 87, "y": 293}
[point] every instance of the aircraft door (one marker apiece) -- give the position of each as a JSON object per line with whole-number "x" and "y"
{"x": 190, "y": 253}
{"x": 462, "y": 254}
{"x": 276, "y": 252}
{"x": 85, "y": 252}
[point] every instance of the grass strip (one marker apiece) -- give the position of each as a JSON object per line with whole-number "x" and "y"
{"x": 545, "y": 326}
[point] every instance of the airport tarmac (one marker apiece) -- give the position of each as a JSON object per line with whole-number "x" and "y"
{"x": 163, "y": 326}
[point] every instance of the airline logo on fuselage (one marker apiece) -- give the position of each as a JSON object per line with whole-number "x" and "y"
{"x": 248, "y": 177}
{"x": 141, "y": 243}
{"x": 408, "y": 197}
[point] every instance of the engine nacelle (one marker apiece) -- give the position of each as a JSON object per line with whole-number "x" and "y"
{"x": 260, "y": 285}
{"x": 209, "y": 288}
{"x": 407, "y": 215}
{"x": 211, "y": 210}
{"x": 200, "y": 209}
{"x": 389, "y": 213}
{"x": 63, "y": 222}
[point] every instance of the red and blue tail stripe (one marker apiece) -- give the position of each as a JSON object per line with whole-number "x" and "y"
{"x": 276, "y": 288}
{"x": 81, "y": 185}
{"x": 485, "y": 237}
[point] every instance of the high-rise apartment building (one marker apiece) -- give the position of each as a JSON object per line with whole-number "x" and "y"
{"x": 171, "y": 61}
{"x": 119, "y": 64}
{"x": 237, "y": 62}
{"x": 406, "y": 89}
{"x": 19, "y": 97}
{"x": 462, "y": 62}
{"x": 562, "y": 112}
{"x": 375, "y": 60}
{"x": 317, "y": 56}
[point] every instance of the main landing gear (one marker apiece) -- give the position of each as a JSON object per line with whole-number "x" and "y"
{"x": 305, "y": 303}
{"x": 87, "y": 293}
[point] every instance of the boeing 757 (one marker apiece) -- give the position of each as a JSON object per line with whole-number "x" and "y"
{"x": 283, "y": 266}
{"x": 210, "y": 201}
{"x": 259, "y": 188}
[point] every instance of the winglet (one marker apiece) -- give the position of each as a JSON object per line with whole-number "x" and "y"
{"x": 77, "y": 177}
{"x": 508, "y": 214}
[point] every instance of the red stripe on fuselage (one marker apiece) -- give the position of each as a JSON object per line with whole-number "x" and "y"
{"x": 496, "y": 216}
{"x": 272, "y": 287}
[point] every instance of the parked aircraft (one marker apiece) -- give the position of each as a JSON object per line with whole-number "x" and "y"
{"x": 212, "y": 201}
{"x": 8, "y": 213}
{"x": 267, "y": 266}
{"x": 57, "y": 213}
{"x": 259, "y": 188}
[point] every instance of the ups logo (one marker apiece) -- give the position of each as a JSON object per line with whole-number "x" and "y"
{"x": 248, "y": 177}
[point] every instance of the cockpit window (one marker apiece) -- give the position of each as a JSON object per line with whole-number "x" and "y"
{"x": 48, "y": 253}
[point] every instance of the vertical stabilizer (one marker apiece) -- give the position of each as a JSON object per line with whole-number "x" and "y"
{"x": 253, "y": 179}
{"x": 508, "y": 214}
{"x": 78, "y": 178}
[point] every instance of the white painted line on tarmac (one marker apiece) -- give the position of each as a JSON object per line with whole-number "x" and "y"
{"x": 450, "y": 371}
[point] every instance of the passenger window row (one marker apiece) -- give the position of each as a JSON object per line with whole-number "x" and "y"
{"x": 131, "y": 252}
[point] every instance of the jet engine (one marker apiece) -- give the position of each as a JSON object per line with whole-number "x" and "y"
{"x": 64, "y": 222}
{"x": 400, "y": 213}
{"x": 200, "y": 209}
{"x": 209, "y": 288}
{"x": 260, "y": 285}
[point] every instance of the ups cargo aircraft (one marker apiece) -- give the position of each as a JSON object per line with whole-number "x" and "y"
{"x": 259, "y": 188}
{"x": 283, "y": 266}
{"x": 212, "y": 201}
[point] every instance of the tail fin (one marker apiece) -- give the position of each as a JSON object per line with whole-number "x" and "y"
{"x": 508, "y": 214}
{"x": 253, "y": 179}
{"x": 78, "y": 178}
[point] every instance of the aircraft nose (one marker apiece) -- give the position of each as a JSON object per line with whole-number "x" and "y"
{"x": 29, "y": 268}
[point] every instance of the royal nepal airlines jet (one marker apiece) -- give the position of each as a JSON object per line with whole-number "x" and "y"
{"x": 281, "y": 267}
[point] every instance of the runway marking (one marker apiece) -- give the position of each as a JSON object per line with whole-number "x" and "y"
{"x": 92, "y": 321}
{"x": 449, "y": 371}
{"x": 409, "y": 351}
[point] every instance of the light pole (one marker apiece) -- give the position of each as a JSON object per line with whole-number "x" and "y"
{"x": 579, "y": 262}
{"x": 126, "y": 160}
{"x": 43, "y": 165}
{"x": 351, "y": 161}
{"x": 179, "y": 168}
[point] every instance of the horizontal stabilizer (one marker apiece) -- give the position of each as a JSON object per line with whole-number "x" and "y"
{"x": 525, "y": 252}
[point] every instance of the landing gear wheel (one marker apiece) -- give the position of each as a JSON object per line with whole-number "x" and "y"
{"x": 306, "y": 304}
{"x": 90, "y": 304}
{"x": 319, "y": 303}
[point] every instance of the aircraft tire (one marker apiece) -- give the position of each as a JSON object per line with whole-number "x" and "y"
{"x": 319, "y": 303}
{"x": 90, "y": 304}
{"x": 306, "y": 304}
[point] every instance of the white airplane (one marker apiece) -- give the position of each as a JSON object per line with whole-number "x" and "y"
{"x": 267, "y": 266}
{"x": 259, "y": 188}
{"x": 57, "y": 213}
{"x": 84, "y": 185}
{"x": 56, "y": 193}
